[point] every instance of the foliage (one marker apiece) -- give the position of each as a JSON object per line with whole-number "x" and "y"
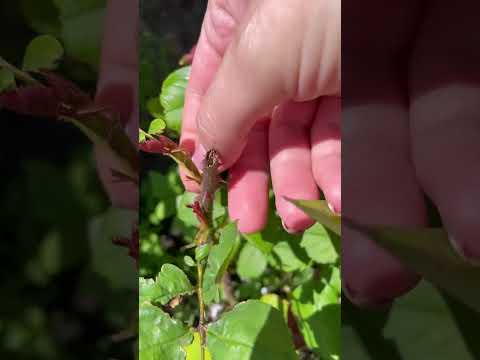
{"x": 241, "y": 281}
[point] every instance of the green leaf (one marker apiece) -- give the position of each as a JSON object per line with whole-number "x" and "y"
{"x": 189, "y": 261}
{"x": 316, "y": 305}
{"x": 218, "y": 261}
{"x": 7, "y": 79}
{"x": 173, "y": 119}
{"x": 202, "y": 251}
{"x": 252, "y": 330}
{"x": 320, "y": 244}
{"x": 161, "y": 337}
{"x": 428, "y": 252}
{"x": 157, "y": 126}
{"x": 170, "y": 283}
{"x": 42, "y": 53}
{"x": 282, "y": 249}
{"x": 159, "y": 192}
{"x": 257, "y": 240}
{"x": 319, "y": 211}
{"x": 172, "y": 97}
{"x": 193, "y": 350}
{"x": 278, "y": 303}
{"x": 251, "y": 263}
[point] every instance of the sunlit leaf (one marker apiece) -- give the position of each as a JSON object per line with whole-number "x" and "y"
{"x": 157, "y": 126}
{"x": 251, "y": 262}
{"x": 172, "y": 97}
{"x": 251, "y": 330}
{"x": 316, "y": 305}
{"x": 193, "y": 350}
{"x": 169, "y": 283}
{"x": 320, "y": 244}
{"x": 218, "y": 261}
{"x": 161, "y": 337}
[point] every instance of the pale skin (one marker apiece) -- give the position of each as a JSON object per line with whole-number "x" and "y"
{"x": 251, "y": 89}
{"x": 264, "y": 92}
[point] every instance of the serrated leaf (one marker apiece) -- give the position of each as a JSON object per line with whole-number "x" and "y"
{"x": 428, "y": 252}
{"x": 193, "y": 350}
{"x": 316, "y": 305}
{"x": 42, "y": 53}
{"x": 320, "y": 244}
{"x": 251, "y": 262}
{"x": 319, "y": 211}
{"x": 218, "y": 261}
{"x": 161, "y": 337}
{"x": 251, "y": 330}
{"x": 156, "y": 126}
{"x": 169, "y": 283}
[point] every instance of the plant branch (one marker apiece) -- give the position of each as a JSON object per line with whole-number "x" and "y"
{"x": 22, "y": 75}
{"x": 209, "y": 185}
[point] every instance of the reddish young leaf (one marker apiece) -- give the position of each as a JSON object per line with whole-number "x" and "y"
{"x": 31, "y": 100}
{"x": 66, "y": 91}
{"x": 197, "y": 210}
{"x": 59, "y": 97}
{"x": 163, "y": 145}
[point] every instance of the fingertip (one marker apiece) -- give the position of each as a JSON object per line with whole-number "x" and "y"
{"x": 367, "y": 285}
{"x": 248, "y": 199}
{"x": 469, "y": 251}
{"x": 189, "y": 184}
{"x": 294, "y": 220}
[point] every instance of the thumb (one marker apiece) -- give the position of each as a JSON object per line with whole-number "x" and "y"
{"x": 247, "y": 85}
{"x": 275, "y": 56}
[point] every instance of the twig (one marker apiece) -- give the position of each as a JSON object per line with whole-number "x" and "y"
{"x": 22, "y": 75}
{"x": 209, "y": 185}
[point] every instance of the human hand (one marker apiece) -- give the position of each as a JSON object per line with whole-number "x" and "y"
{"x": 117, "y": 89}
{"x": 263, "y": 92}
{"x": 403, "y": 138}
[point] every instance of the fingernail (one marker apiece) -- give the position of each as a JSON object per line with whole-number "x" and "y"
{"x": 199, "y": 156}
{"x": 378, "y": 304}
{"x": 287, "y": 229}
{"x": 332, "y": 208}
{"x": 465, "y": 252}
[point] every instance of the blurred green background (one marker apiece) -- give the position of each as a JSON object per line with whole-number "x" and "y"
{"x": 60, "y": 297}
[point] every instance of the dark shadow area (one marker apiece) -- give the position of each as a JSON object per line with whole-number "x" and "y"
{"x": 56, "y": 301}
